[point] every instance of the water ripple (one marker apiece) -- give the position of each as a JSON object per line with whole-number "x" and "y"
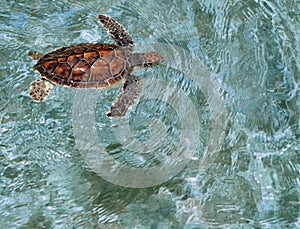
{"x": 252, "y": 51}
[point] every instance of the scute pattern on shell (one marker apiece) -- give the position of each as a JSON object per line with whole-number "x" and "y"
{"x": 85, "y": 65}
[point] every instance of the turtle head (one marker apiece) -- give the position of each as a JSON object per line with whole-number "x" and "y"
{"x": 145, "y": 60}
{"x": 151, "y": 59}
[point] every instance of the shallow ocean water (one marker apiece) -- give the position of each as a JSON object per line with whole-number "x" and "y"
{"x": 212, "y": 143}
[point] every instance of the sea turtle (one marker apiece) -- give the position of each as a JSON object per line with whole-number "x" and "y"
{"x": 95, "y": 66}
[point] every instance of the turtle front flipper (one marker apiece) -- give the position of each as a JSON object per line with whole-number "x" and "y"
{"x": 131, "y": 91}
{"x": 40, "y": 89}
{"x": 116, "y": 31}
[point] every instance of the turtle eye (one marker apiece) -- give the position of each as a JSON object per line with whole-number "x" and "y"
{"x": 147, "y": 65}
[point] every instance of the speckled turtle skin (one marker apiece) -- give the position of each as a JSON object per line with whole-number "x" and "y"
{"x": 95, "y": 66}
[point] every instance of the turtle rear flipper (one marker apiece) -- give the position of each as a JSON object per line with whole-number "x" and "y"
{"x": 131, "y": 91}
{"x": 40, "y": 89}
{"x": 116, "y": 31}
{"x": 35, "y": 55}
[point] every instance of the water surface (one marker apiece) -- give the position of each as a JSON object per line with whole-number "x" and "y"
{"x": 245, "y": 113}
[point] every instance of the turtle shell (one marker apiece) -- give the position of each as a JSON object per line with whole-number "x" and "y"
{"x": 85, "y": 65}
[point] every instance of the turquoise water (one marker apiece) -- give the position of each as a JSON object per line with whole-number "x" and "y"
{"x": 213, "y": 141}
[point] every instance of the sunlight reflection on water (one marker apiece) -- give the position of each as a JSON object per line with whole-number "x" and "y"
{"x": 252, "y": 50}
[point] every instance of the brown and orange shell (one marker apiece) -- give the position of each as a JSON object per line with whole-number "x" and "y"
{"x": 85, "y": 65}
